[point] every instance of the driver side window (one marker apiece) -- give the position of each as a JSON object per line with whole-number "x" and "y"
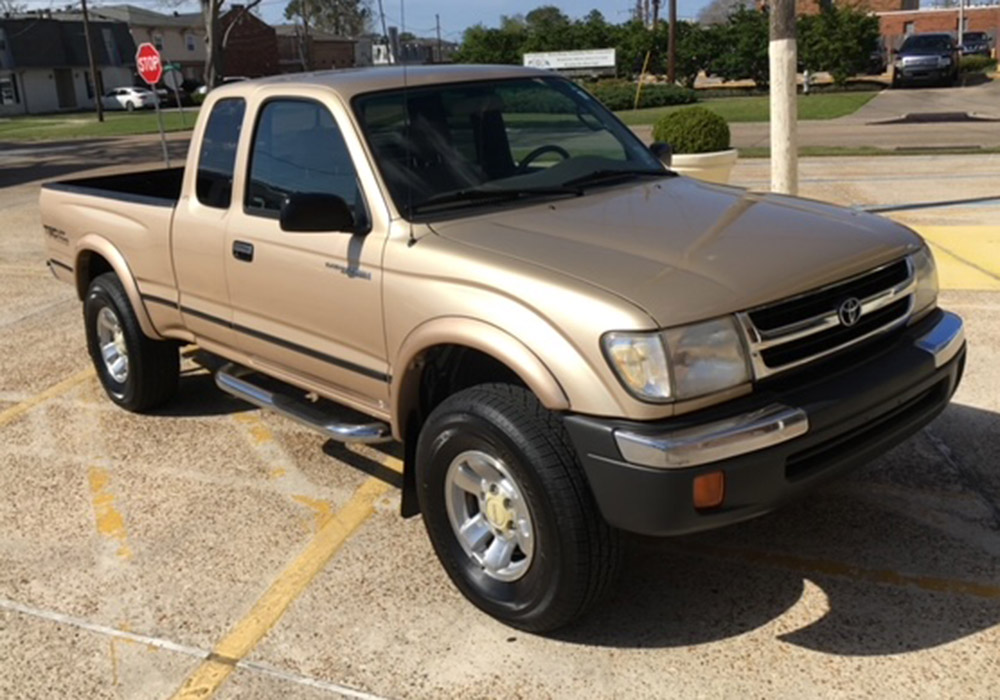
{"x": 298, "y": 149}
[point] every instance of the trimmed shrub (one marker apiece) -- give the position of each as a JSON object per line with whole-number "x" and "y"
{"x": 692, "y": 130}
{"x": 620, "y": 94}
{"x": 976, "y": 64}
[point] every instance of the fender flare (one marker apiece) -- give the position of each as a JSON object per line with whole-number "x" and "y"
{"x": 93, "y": 243}
{"x": 477, "y": 335}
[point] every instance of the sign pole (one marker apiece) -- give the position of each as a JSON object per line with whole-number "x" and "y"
{"x": 150, "y": 68}
{"x": 163, "y": 136}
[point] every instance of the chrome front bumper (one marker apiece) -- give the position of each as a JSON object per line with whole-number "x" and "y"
{"x": 762, "y": 428}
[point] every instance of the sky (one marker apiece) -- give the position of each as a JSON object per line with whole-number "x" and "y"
{"x": 418, "y": 16}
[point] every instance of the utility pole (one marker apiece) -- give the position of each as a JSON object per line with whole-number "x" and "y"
{"x": 782, "y": 58}
{"x": 93, "y": 68}
{"x": 961, "y": 20}
{"x": 671, "y": 41}
{"x": 385, "y": 34}
{"x": 437, "y": 21}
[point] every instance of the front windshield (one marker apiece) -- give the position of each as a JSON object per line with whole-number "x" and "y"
{"x": 475, "y": 144}
{"x": 933, "y": 42}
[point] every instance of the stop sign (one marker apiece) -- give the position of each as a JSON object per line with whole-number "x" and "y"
{"x": 147, "y": 61}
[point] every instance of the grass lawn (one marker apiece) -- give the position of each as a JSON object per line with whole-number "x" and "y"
{"x": 57, "y": 127}
{"x": 757, "y": 107}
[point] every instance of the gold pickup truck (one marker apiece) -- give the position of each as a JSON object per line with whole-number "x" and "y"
{"x": 483, "y": 263}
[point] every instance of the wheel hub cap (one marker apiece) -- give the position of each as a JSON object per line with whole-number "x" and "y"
{"x": 489, "y": 515}
{"x": 111, "y": 340}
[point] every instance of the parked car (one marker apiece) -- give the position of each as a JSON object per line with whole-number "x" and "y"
{"x": 878, "y": 59}
{"x": 568, "y": 338}
{"x": 204, "y": 89}
{"x": 926, "y": 58}
{"x": 129, "y": 98}
{"x": 975, "y": 44}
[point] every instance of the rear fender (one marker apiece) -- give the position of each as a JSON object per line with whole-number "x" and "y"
{"x": 93, "y": 243}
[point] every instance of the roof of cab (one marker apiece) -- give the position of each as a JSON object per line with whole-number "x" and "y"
{"x": 349, "y": 82}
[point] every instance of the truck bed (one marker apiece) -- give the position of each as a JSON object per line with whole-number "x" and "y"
{"x": 160, "y": 187}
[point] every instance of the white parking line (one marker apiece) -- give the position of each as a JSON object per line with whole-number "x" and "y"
{"x": 168, "y": 645}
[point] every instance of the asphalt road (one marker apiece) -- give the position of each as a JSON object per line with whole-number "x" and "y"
{"x": 212, "y": 547}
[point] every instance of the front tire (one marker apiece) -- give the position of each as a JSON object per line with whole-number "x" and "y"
{"x": 137, "y": 372}
{"x": 508, "y": 510}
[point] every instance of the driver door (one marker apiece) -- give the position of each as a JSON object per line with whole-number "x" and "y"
{"x": 307, "y": 307}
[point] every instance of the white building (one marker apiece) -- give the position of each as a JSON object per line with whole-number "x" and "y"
{"x": 44, "y": 66}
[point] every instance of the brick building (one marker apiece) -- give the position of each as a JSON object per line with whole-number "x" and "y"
{"x": 250, "y": 45}
{"x": 321, "y": 51}
{"x": 811, "y": 7}
{"x": 895, "y": 26}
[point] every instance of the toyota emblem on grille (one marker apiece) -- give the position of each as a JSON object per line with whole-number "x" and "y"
{"x": 849, "y": 311}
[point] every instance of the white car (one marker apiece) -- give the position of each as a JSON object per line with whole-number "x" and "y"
{"x": 129, "y": 98}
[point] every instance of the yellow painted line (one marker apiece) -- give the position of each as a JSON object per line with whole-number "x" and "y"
{"x": 266, "y": 612}
{"x": 18, "y": 410}
{"x": 322, "y": 510}
{"x": 828, "y": 567}
{"x": 110, "y": 522}
{"x": 968, "y": 256}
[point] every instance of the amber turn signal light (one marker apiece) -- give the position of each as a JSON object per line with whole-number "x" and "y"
{"x": 709, "y": 490}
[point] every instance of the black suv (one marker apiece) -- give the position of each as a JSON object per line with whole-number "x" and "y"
{"x": 975, "y": 44}
{"x": 930, "y": 58}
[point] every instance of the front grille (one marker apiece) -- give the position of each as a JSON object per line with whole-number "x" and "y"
{"x": 804, "y": 328}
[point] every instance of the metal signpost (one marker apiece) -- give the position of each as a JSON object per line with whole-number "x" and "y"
{"x": 147, "y": 62}
{"x": 172, "y": 78}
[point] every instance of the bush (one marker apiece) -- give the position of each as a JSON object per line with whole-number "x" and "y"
{"x": 693, "y": 130}
{"x": 976, "y": 64}
{"x": 620, "y": 94}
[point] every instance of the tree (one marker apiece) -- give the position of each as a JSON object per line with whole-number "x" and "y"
{"x": 839, "y": 40}
{"x": 718, "y": 11}
{"x": 303, "y": 13}
{"x": 548, "y": 29}
{"x": 10, "y": 7}
{"x": 482, "y": 44}
{"x": 745, "y": 37}
{"x": 696, "y": 48}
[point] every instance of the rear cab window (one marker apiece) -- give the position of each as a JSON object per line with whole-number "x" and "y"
{"x": 217, "y": 160}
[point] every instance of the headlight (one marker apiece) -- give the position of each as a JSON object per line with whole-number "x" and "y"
{"x": 679, "y": 363}
{"x": 925, "y": 296}
{"x": 641, "y": 364}
{"x": 944, "y": 61}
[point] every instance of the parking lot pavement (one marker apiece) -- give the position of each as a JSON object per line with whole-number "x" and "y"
{"x": 211, "y": 549}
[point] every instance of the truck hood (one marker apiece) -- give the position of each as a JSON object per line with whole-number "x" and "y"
{"x": 683, "y": 250}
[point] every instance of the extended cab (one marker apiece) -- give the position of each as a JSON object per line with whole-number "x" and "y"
{"x": 485, "y": 264}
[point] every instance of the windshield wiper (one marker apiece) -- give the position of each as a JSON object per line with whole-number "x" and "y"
{"x": 610, "y": 174}
{"x": 483, "y": 194}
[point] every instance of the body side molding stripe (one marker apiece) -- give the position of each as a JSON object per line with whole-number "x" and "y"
{"x": 295, "y": 347}
{"x": 63, "y": 265}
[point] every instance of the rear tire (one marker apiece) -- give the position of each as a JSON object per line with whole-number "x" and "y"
{"x": 137, "y": 372}
{"x": 520, "y": 471}
{"x": 130, "y": 106}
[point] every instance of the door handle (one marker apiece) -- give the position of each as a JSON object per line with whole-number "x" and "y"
{"x": 243, "y": 251}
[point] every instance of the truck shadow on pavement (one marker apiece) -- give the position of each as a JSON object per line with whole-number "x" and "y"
{"x": 902, "y": 555}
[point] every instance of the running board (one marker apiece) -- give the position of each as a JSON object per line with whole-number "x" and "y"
{"x": 231, "y": 379}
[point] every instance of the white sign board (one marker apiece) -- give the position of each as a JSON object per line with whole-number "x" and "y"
{"x": 571, "y": 60}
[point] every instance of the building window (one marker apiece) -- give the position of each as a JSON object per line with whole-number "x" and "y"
{"x": 158, "y": 41}
{"x": 907, "y": 28}
{"x": 111, "y": 47}
{"x": 8, "y": 90}
{"x": 190, "y": 42}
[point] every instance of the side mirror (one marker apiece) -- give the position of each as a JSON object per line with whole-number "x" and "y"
{"x": 316, "y": 213}
{"x": 663, "y": 151}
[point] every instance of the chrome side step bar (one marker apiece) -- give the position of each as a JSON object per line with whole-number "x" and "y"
{"x": 231, "y": 379}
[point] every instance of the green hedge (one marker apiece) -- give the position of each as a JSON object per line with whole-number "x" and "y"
{"x": 976, "y": 64}
{"x": 692, "y": 130}
{"x": 620, "y": 94}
